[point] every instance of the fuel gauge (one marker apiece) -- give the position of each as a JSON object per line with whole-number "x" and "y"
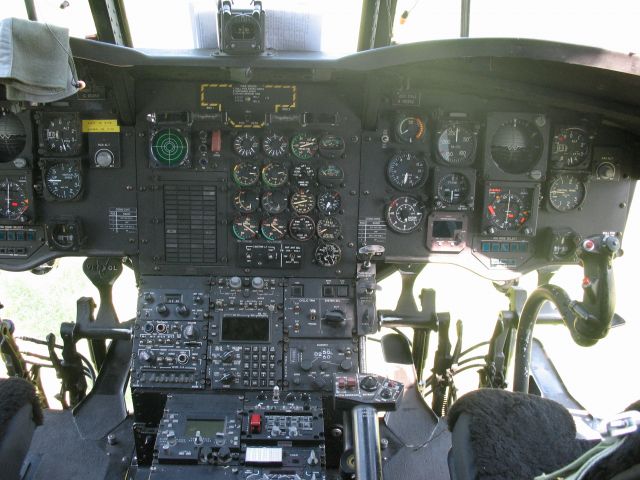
{"x": 410, "y": 129}
{"x": 274, "y": 228}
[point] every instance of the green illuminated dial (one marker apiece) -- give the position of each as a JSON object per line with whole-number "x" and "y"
{"x": 169, "y": 147}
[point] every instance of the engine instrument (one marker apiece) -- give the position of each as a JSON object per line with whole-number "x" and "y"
{"x": 274, "y": 228}
{"x": 406, "y": 171}
{"x": 245, "y": 227}
{"x": 329, "y": 229}
{"x": 566, "y": 192}
{"x": 327, "y": 254}
{"x": 303, "y": 201}
{"x": 246, "y": 144}
{"x": 410, "y": 129}
{"x": 274, "y": 201}
{"x": 275, "y": 175}
{"x": 404, "y": 214}
{"x": 246, "y": 201}
{"x": 331, "y": 146}
{"x": 329, "y": 202}
{"x": 304, "y": 145}
{"x": 302, "y": 228}
{"x": 303, "y": 175}
{"x": 275, "y": 145}
{"x": 246, "y": 174}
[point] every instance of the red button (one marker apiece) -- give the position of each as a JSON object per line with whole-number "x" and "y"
{"x": 216, "y": 141}
{"x": 255, "y": 423}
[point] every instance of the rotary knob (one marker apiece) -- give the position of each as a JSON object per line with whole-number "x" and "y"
{"x": 182, "y": 310}
{"x": 190, "y": 332}
{"x": 346, "y": 364}
{"x": 228, "y": 356}
{"x": 146, "y": 356}
{"x": 227, "y": 378}
{"x": 162, "y": 309}
{"x": 224, "y": 454}
{"x": 306, "y": 365}
{"x": 369, "y": 383}
{"x": 235, "y": 282}
{"x": 257, "y": 283}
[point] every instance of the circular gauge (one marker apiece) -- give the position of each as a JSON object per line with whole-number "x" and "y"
{"x": 246, "y": 174}
{"x": 246, "y": 201}
{"x": 406, "y": 171}
{"x": 566, "y": 192}
{"x": 302, "y": 201}
{"x": 275, "y": 175}
{"x": 274, "y": 228}
{"x": 329, "y": 229}
{"x": 13, "y": 136}
{"x": 331, "y": 146}
{"x": 330, "y": 175}
{"x": 275, "y": 145}
{"x": 410, "y": 129}
{"x": 169, "y": 147}
{"x": 304, "y": 145}
{"x": 329, "y": 202}
{"x": 302, "y": 228}
{"x": 327, "y": 254}
{"x": 404, "y": 214}
{"x": 61, "y": 134}
{"x": 516, "y": 146}
{"x": 303, "y": 175}
{"x": 457, "y": 145}
{"x": 13, "y": 200}
{"x": 245, "y": 227}
{"x": 506, "y": 211}
{"x": 63, "y": 180}
{"x": 570, "y": 147}
{"x": 453, "y": 188}
{"x": 246, "y": 145}
{"x": 274, "y": 201}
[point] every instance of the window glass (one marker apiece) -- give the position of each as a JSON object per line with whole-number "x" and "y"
{"x": 72, "y": 14}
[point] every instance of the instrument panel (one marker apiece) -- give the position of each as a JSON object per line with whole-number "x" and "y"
{"x": 292, "y": 178}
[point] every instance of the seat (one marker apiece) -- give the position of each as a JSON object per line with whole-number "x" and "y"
{"x": 20, "y": 413}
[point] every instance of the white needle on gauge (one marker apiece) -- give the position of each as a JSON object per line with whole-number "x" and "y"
{"x": 506, "y": 220}
{"x": 457, "y": 130}
{"x": 7, "y": 180}
{"x": 406, "y": 178}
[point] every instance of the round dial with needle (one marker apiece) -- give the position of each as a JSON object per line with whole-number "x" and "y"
{"x": 274, "y": 201}
{"x": 274, "y": 228}
{"x": 302, "y": 228}
{"x": 246, "y": 145}
{"x": 453, "y": 188}
{"x": 410, "y": 129}
{"x": 275, "y": 145}
{"x": 406, "y": 171}
{"x": 329, "y": 229}
{"x": 304, "y": 145}
{"x": 329, "y": 202}
{"x": 507, "y": 210}
{"x": 245, "y": 227}
{"x": 457, "y": 145}
{"x": 13, "y": 200}
{"x": 246, "y": 201}
{"x": 303, "y": 201}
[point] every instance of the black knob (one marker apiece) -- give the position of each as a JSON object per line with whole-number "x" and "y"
{"x": 385, "y": 393}
{"x": 335, "y": 317}
{"x": 224, "y": 454}
{"x": 369, "y": 383}
{"x": 306, "y": 365}
{"x": 262, "y": 396}
{"x": 228, "y": 356}
{"x": 182, "y": 310}
{"x": 148, "y": 297}
{"x": 318, "y": 383}
{"x": 197, "y": 299}
{"x": 146, "y": 356}
{"x": 162, "y": 309}
{"x": 305, "y": 397}
{"x": 346, "y": 364}
{"x": 227, "y": 378}
{"x": 291, "y": 397}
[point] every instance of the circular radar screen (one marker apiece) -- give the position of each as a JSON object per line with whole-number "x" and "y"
{"x": 169, "y": 147}
{"x": 404, "y": 214}
{"x": 63, "y": 180}
{"x": 304, "y": 145}
{"x": 457, "y": 145}
{"x": 453, "y": 188}
{"x": 275, "y": 145}
{"x": 516, "y": 146}
{"x": 570, "y": 147}
{"x": 508, "y": 209}
{"x": 566, "y": 192}
{"x": 13, "y": 199}
{"x": 406, "y": 171}
{"x": 246, "y": 145}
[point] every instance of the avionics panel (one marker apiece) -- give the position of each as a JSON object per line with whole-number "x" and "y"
{"x": 239, "y": 178}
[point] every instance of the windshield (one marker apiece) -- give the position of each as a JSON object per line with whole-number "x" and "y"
{"x": 611, "y": 25}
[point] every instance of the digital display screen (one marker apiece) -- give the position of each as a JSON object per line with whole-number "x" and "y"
{"x": 446, "y": 228}
{"x": 207, "y": 428}
{"x": 245, "y": 329}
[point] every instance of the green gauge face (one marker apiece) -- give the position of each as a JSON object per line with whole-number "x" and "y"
{"x": 331, "y": 146}
{"x": 246, "y": 174}
{"x": 304, "y": 145}
{"x": 274, "y": 228}
{"x": 245, "y": 227}
{"x": 275, "y": 175}
{"x": 169, "y": 147}
{"x": 331, "y": 174}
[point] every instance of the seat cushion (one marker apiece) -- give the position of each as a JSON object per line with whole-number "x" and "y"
{"x": 506, "y": 435}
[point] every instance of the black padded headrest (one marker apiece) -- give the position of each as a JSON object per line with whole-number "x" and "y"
{"x": 15, "y": 393}
{"x": 516, "y": 435}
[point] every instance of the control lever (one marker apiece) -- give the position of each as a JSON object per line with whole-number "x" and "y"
{"x": 368, "y": 252}
{"x": 102, "y": 272}
{"x": 365, "y": 395}
{"x": 589, "y": 320}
